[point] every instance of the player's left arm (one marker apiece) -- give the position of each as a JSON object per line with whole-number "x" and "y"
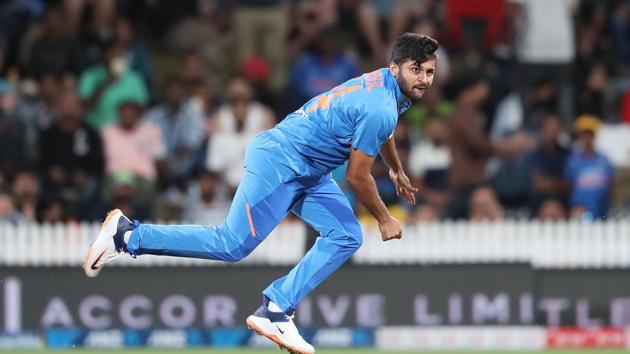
{"x": 396, "y": 172}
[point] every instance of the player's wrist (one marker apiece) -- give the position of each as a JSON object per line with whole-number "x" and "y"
{"x": 385, "y": 217}
{"x": 397, "y": 169}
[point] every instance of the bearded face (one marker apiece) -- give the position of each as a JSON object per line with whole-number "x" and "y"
{"x": 414, "y": 78}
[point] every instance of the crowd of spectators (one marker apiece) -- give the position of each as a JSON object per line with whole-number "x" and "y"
{"x": 148, "y": 105}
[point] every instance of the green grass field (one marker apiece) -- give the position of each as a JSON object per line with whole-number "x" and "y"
{"x": 321, "y": 351}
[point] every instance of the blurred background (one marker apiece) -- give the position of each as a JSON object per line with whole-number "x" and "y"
{"x": 521, "y": 152}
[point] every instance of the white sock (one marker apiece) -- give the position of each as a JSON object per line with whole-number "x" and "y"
{"x": 273, "y": 307}
{"x": 126, "y": 237}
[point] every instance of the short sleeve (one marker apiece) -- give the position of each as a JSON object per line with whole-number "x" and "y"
{"x": 372, "y": 129}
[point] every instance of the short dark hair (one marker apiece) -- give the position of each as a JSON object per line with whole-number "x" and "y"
{"x": 416, "y": 47}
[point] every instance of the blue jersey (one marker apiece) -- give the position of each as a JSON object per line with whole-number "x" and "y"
{"x": 361, "y": 113}
{"x": 591, "y": 178}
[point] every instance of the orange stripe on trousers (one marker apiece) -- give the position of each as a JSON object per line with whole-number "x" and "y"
{"x": 251, "y": 222}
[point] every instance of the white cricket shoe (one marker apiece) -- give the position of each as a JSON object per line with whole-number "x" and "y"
{"x": 278, "y": 327}
{"x": 109, "y": 243}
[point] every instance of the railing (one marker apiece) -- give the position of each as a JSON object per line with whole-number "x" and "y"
{"x": 544, "y": 245}
{"x": 66, "y": 245}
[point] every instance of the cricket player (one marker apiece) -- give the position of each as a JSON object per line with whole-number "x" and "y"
{"x": 288, "y": 169}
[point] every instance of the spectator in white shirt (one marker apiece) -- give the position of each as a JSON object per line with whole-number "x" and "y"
{"x": 233, "y": 125}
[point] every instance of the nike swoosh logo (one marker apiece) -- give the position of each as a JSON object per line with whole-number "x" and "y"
{"x": 281, "y": 331}
{"x": 93, "y": 266}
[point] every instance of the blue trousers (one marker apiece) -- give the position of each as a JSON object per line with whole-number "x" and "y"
{"x": 273, "y": 186}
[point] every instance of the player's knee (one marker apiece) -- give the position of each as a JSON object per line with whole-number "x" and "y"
{"x": 357, "y": 241}
{"x": 237, "y": 246}
{"x": 232, "y": 257}
{"x": 239, "y": 253}
{"x": 355, "y": 236}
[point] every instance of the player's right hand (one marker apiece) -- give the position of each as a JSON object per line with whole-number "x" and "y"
{"x": 390, "y": 229}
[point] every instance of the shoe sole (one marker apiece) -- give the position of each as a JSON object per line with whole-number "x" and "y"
{"x": 86, "y": 266}
{"x": 274, "y": 338}
{"x": 85, "y": 262}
